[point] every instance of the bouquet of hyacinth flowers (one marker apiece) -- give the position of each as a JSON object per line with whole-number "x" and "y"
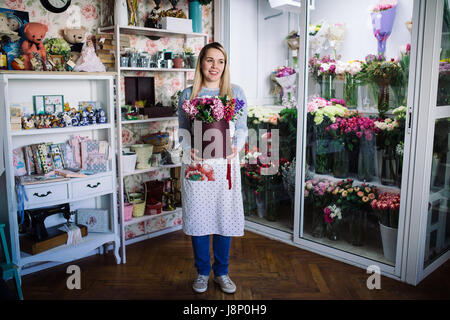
{"x": 214, "y": 112}
{"x": 211, "y": 109}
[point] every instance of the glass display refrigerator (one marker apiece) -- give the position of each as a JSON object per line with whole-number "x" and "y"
{"x": 348, "y": 117}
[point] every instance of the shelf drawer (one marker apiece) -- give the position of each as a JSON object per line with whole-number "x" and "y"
{"x": 46, "y": 193}
{"x": 92, "y": 186}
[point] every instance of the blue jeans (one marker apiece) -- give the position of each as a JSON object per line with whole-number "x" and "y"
{"x": 221, "y": 249}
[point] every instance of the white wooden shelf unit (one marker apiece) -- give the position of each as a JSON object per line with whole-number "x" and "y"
{"x": 122, "y": 72}
{"x": 96, "y": 191}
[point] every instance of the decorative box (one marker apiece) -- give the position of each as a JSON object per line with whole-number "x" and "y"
{"x": 176, "y": 24}
{"x": 96, "y": 220}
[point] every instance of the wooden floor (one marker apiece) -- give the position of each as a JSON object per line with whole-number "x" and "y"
{"x": 163, "y": 268}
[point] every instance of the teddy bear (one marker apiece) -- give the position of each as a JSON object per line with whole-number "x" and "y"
{"x": 76, "y": 38}
{"x": 34, "y": 33}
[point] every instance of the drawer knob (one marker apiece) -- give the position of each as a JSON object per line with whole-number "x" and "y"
{"x": 41, "y": 195}
{"x": 93, "y": 186}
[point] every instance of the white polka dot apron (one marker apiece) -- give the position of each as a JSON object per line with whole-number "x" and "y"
{"x": 209, "y": 205}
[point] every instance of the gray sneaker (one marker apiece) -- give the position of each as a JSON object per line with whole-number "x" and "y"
{"x": 200, "y": 285}
{"x": 225, "y": 283}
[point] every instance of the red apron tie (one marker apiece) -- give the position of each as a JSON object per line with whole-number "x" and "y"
{"x": 229, "y": 173}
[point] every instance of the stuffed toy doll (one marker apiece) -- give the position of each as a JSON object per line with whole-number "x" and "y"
{"x": 76, "y": 37}
{"x": 89, "y": 61}
{"x": 35, "y": 33}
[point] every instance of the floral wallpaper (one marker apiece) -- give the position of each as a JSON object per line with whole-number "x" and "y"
{"x": 166, "y": 83}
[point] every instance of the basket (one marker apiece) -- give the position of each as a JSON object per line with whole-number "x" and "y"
{"x": 159, "y": 140}
{"x": 144, "y": 153}
{"x": 138, "y": 205}
{"x": 128, "y": 211}
{"x": 153, "y": 209}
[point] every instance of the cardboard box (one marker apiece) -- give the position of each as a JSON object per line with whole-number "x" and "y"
{"x": 176, "y": 24}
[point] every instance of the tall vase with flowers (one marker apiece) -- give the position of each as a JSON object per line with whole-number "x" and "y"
{"x": 390, "y": 134}
{"x": 322, "y": 113}
{"x": 354, "y": 130}
{"x": 323, "y": 69}
{"x": 321, "y": 193}
{"x": 351, "y": 83}
{"x": 386, "y": 207}
{"x": 378, "y": 71}
{"x": 333, "y": 216}
{"x": 355, "y": 202}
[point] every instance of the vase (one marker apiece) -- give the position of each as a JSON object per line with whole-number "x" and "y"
{"x": 327, "y": 90}
{"x": 351, "y": 91}
{"x": 323, "y": 152}
{"x": 271, "y": 203}
{"x": 311, "y": 144}
{"x": 383, "y": 97}
{"x": 332, "y": 230}
{"x": 195, "y": 14}
{"x": 367, "y": 160}
{"x": 192, "y": 61}
{"x": 388, "y": 167}
{"x": 248, "y": 197}
{"x": 340, "y": 163}
{"x": 318, "y": 221}
{"x": 353, "y": 156}
{"x": 389, "y": 241}
{"x": 132, "y": 9}
{"x": 178, "y": 63}
{"x": 121, "y": 12}
{"x": 261, "y": 204}
{"x": 358, "y": 227}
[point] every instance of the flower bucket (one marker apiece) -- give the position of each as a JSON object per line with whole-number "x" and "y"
{"x": 210, "y": 148}
{"x": 127, "y": 211}
{"x": 144, "y": 153}
{"x": 261, "y": 205}
{"x": 389, "y": 240}
{"x": 129, "y": 161}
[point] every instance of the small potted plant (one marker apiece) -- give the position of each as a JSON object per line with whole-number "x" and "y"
{"x": 191, "y": 59}
{"x": 178, "y": 61}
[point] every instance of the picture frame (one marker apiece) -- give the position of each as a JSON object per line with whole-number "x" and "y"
{"x": 96, "y": 220}
{"x": 48, "y": 104}
{"x": 56, "y": 59}
{"x": 16, "y": 20}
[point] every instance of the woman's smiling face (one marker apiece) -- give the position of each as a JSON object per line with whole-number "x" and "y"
{"x": 212, "y": 66}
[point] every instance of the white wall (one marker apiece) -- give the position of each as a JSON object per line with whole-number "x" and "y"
{"x": 359, "y": 39}
{"x": 257, "y": 46}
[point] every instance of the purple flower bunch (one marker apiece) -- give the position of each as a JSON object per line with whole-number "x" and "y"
{"x": 284, "y": 72}
{"x": 321, "y": 66}
{"x": 444, "y": 68}
{"x": 371, "y": 58}
{"x": 212, "y": 109}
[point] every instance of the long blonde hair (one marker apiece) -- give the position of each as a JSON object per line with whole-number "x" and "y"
{"x": 225, "y": 85}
